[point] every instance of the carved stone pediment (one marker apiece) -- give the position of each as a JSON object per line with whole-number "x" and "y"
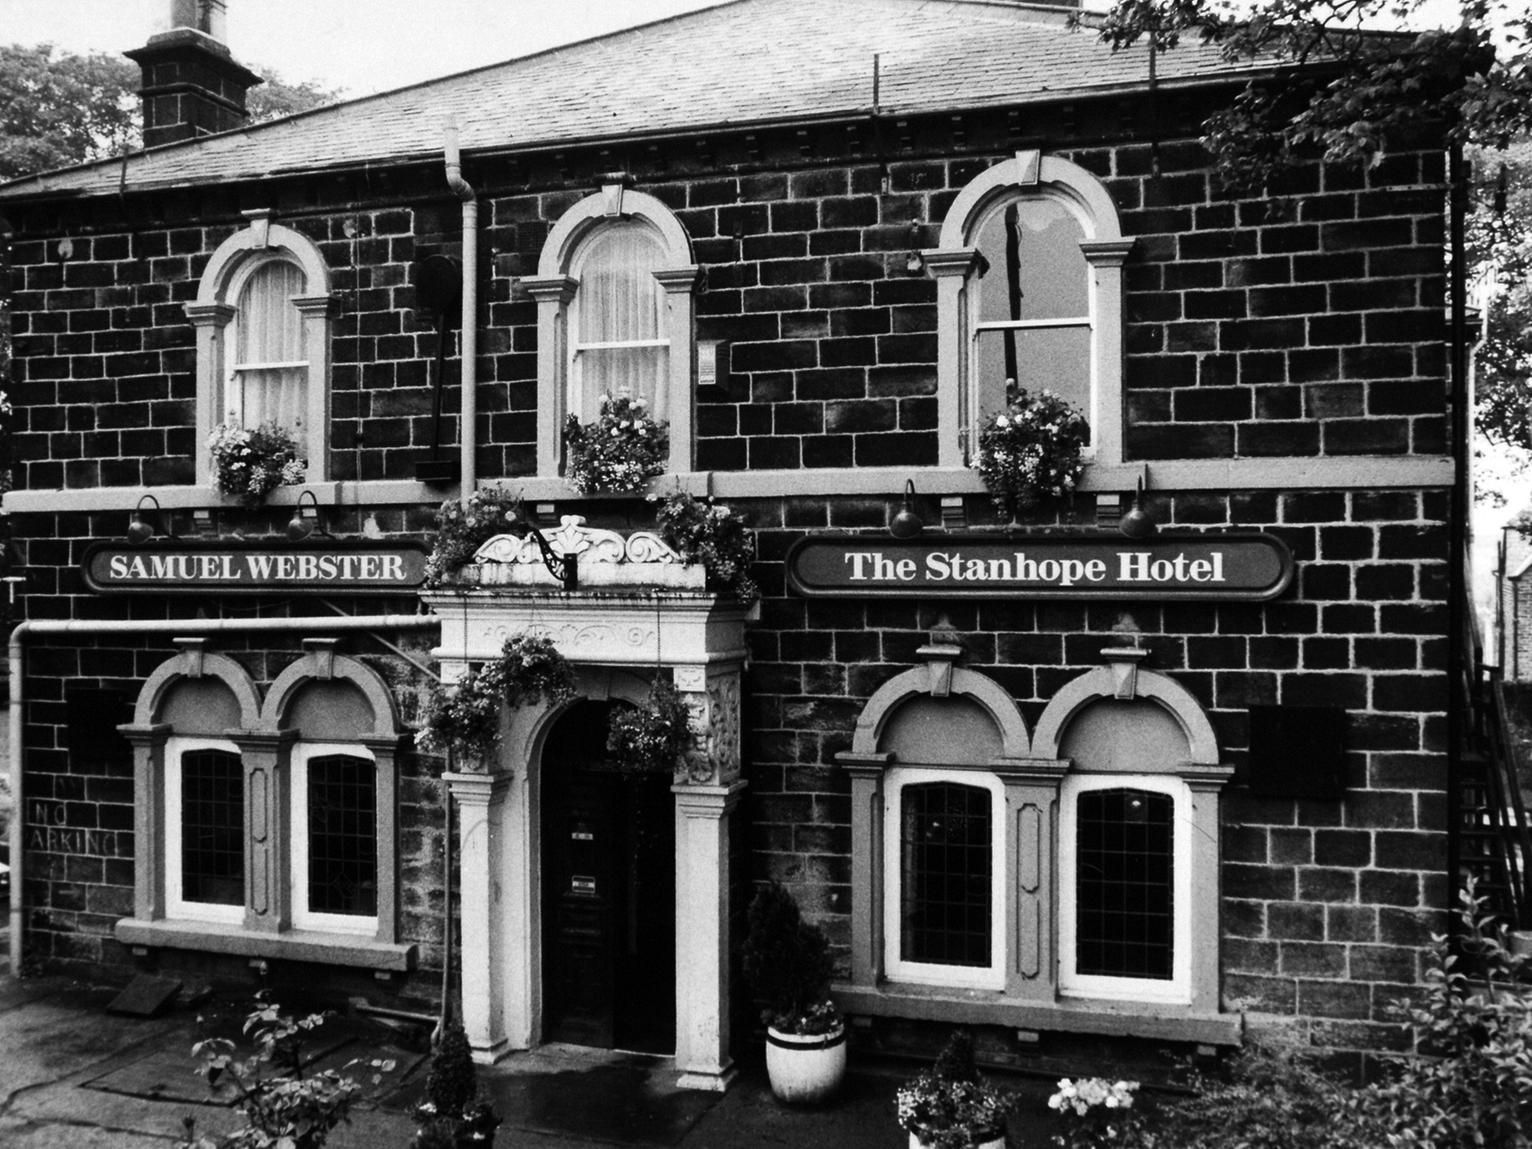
{"x": 606, "y": 558}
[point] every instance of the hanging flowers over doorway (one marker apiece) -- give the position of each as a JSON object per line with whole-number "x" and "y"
{"x": 465, "y": 717}
{"x": 651, "y": 738}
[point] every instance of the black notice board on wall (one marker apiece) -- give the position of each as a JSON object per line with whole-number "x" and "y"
{"x": 1297, "y": 752}
{"x": 92, "y": 715}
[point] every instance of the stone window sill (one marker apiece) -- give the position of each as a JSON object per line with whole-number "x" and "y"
{"x": 988, "y": 1007}
{"x": 358, "y": 950}
{"x": 1363, "y": 472}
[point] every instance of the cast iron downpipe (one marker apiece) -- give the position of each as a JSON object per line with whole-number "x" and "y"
{"x": 467, "y": 432}
{"x": 189, "y": 627}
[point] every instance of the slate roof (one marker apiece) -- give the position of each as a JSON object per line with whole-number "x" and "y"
{"x": 740, "y": 63}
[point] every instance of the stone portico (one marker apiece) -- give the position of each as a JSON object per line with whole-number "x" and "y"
{"x": 639, "y": 611}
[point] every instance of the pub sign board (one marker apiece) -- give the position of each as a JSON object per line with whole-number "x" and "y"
{"x": 1240, "y": 566}
{"x": 319, "y": 567}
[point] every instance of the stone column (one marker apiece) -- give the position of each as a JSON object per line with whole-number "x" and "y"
{"x": 1205, "y": 783}
{"x": 552, "y": 294}
{"x": 148, "y": 819}
{"x": 866, "y": 772}
{"x": 1031, "y": 812}
{"x": 481, "y": 801}
{"x": 954, "y": 393}
{"x": 702, "y": 934}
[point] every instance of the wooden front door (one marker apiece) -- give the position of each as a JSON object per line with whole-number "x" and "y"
{"x": 608, "y": 848}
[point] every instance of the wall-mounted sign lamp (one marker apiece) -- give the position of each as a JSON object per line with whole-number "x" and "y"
{"x": 1137, "y": 524}
{"x": 305, "y": 519}
{"x": 139, "y": 529}
{"x": 906, "y": 524}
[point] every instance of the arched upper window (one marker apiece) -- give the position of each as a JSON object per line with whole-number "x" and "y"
{"x": 267, "y": 376}
{"x": 614, "y": 295}
{"x": 262, "y": 315}
{"x": 621, "y": 323}
{"x": 1029, "y": 295}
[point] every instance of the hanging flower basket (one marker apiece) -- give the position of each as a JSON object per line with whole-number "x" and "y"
{"x": 250, "y": 464}
{"x": 462, "y": 528}
{"x": 620, "y": 451}
{"x": 465, "y": 717}
{"x": 651, "y": 738}
{"x": 1030, "y": 454}
{"x": 713, "y": 535}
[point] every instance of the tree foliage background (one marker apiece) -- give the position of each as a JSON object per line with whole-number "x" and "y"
{"x": 58, "y": 108}
{"x": 1343, "y": 82}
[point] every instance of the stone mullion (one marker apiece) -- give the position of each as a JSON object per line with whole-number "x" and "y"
{"x": 268, "y": 777}
{"x": 1031, "y": 834}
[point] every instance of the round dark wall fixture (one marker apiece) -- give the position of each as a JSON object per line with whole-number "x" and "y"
{"x": 438, "y": 281}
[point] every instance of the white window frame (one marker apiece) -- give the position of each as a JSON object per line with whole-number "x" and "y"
{"x": 991, "y": 976}
{"x": 1029, "y": 175}
{"x": 555, "y": 289}
{"x": 1072, "y": 983}
{"x": 176, "y": 906}
{"x": 232, "y": 399}
{"x": 214, "y": 312}
{"x": 298, "y": 846}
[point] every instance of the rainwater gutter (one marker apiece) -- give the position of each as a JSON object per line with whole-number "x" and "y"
{"x": 469, "y": 351}
{"x": 191, "y": 628}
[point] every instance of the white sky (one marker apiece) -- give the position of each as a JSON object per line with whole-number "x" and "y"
{"x": 366, "y": 46}
{"x": 363, "y": 46}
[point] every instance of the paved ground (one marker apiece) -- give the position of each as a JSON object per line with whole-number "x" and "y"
{"x": 75, "y": 1077}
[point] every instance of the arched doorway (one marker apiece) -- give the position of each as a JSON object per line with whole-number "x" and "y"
{"x": 608, "y": 882}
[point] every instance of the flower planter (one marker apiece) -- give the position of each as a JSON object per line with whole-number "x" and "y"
{"x": 806, "y": 1069}
{"x": 990, "y": 1143}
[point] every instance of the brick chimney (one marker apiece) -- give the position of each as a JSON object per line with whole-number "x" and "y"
{"x": 192, "y": 85}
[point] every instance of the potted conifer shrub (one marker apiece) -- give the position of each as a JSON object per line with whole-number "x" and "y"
{"x": 787, "y": 960}
{"x": 454, "y": 1116}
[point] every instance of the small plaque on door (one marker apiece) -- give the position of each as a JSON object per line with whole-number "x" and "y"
{"x": 582, "y": 836}
{"x": 582, "y": 884}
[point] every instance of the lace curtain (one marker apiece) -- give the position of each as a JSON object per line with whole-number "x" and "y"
{"x": 619, "y": 332}
{"x": 269, "y": 374}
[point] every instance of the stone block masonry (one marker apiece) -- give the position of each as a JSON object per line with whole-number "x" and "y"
{"x": 1327, "y": 906}
{"x": 1293, "y": 327}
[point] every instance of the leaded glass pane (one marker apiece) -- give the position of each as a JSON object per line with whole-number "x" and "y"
{"x": 946, "y": 890}
{"x": 1124, "y": 901}
{"x": 212, "y": 827}
{"x": 343, "y": 836}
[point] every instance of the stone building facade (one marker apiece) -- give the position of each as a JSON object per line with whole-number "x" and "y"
{"x": 1274, "y": 366}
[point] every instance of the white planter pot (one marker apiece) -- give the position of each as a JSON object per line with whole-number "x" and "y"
{"x": 806, "y": 1069}
{"x": 995, "y": 1143}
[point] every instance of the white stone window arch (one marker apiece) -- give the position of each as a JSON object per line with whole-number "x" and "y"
{"x": 200, "y": 711}
{"x": 262, "y": 315}
{"x": 1117, "y": 733}
{"x": 614, "y": 290}
{"x": 1045, "y": 222}
{"x": 337, "y": 730}
{"x": 1138, "y": 821}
